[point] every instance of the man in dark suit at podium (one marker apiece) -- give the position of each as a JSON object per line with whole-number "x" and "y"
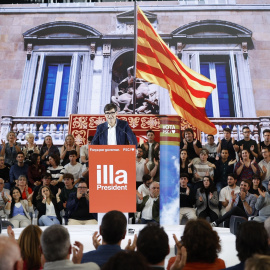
{"x": 114, "y": 131}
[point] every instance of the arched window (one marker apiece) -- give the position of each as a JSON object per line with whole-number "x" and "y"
{"x": 58, "y": 56}
{"x": 219, "y": 51}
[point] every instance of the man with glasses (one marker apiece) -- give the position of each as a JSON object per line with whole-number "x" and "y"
{"x": 114, "y": 131}
{"x": 78, "y": 206}
{"x": 248, "y": 143}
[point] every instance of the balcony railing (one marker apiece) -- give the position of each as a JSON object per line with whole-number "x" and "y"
{"x": 58, "y": 127}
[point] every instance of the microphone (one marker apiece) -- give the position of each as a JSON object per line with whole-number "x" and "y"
{"x": 129, "y": 140}
{"x": 99, "y": 135}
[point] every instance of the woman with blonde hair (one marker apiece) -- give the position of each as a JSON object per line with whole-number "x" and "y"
{"x": 10, "y": 149}
{"x": 30, "y": 147}
{"x": 68, "y": 146}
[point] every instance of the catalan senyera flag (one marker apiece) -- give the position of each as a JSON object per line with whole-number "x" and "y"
{"x": 188, "y": 89}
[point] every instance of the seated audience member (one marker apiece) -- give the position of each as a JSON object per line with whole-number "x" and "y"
{"x": 207, "y": 200}
{"x": 69, "y": 146}
{"x": 47, "y": 150}
{"x": 30, "y": 148}
{"x": 18, "y": 169}
{"x": 248, "y": 144}
{"x": 127, "y": 260}
{"x": 48, "y": 207}
{"x": 224, "y": 166}
{"x": 245, "y": 168}
{"x": 22, "y": 184}
{"x": 202, "y": 168}
{"x": 265, "y": 166}
{"x": 202, "y": 244}
{"x": 113, "y": 230}
{"x": 149, "y": 205}
{"x": 193, "y": 146}
{"x": 84, "y": 150}
{"x": 185, "y": 165}
{"x": 251, "y": 238}
{"x": 3, "y": 198}
{"x": 153, "y": 244}
{"x": 258, "y": 262}
{"x": 151, "y": 147}
{"x": 141, "y": 167}
{"x": 56, "y": 249}
{"x": 187, "y": 199}
{"x": 74, "y": 167}
{"x": 78, "y": 206}
{"x": 143, "y": 189}
{"x": 266, "y": 142}
{"x": 45, "y": 181}
{"x": 263, "y": 204}
{"x": 229, "y": 143}
{"x": 256, "y": 185}
{"x": 211, "y": 146}
{"x": 18, "y": 209}
{"x": 56, "y": 170}
{"x": 10, "y": 254}
{"x": 242, "y": 204}
{"x": 35, "y": 170}
{"x": 4, "y": 172}
{"x": 225, "y": 195}
{"x": 10, "y": 149}
{"x": 69, "y": 188}
{"x": 29, "y": 243}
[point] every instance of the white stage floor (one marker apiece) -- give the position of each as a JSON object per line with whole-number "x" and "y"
{"x": 84, "y": 235}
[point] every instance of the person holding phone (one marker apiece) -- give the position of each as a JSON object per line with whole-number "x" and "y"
{"x": 78, "y": 206}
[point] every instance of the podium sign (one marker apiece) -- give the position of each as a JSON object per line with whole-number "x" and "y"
{"x": 112, "y": 178}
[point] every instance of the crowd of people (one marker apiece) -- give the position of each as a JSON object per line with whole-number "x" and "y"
{"x": 198, "y": 247}
{"x": 217, "y": 180}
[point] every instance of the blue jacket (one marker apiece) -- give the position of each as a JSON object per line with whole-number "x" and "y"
{"x": 101, "y": 255}
{"x": 124, "y": 134}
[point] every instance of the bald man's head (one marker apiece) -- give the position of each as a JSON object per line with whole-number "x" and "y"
{"x": 10, "y": 254}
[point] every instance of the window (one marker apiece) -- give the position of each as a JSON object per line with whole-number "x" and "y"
{"x": 218, "y": 50}
{"x": 54, "y": 92}
{"x": 219, "y": 69}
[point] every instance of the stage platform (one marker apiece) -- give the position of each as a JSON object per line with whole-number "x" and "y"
{"x": 84, "y": 235}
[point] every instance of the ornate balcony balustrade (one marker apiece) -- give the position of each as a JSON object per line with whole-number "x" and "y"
{"x": 57, "y": 127}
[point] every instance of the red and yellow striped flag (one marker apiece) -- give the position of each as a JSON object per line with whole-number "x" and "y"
{"x": 188, "y": 89}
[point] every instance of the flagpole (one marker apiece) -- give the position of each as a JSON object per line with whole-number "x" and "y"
{"x": 135, "y": 55}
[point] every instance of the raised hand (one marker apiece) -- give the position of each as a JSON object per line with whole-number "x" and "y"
{"x": 58, "y": 193}
{"x": 262, "y": 193}
{"x": 252, "y": 148}
{"x": 140, "y": 195}
{"x": 231, "y": 162}
{"x": 210, "y": 195}
{"x": 3, "y": 142}
{"x": 180, "y": 260}
{"x": 77, "y": 251}
{"x": 10, "y": 232}
{"x": 241, "y": 161}
{"x": 253, "y": 161}
{"x": 131, "y": 246}
{"x": 96, "y": 240}
{"x": 185, "y": 141}
{"x": 156, "y": 162}
{"x": 264, "y": 169}
{"x": 195, "y": 142}
{"x": 219, "y": 140}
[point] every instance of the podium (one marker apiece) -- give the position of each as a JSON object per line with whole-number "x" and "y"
{"x": 112, "y": 178}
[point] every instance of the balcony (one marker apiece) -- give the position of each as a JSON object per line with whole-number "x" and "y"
{"x": 58, "y": 127}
